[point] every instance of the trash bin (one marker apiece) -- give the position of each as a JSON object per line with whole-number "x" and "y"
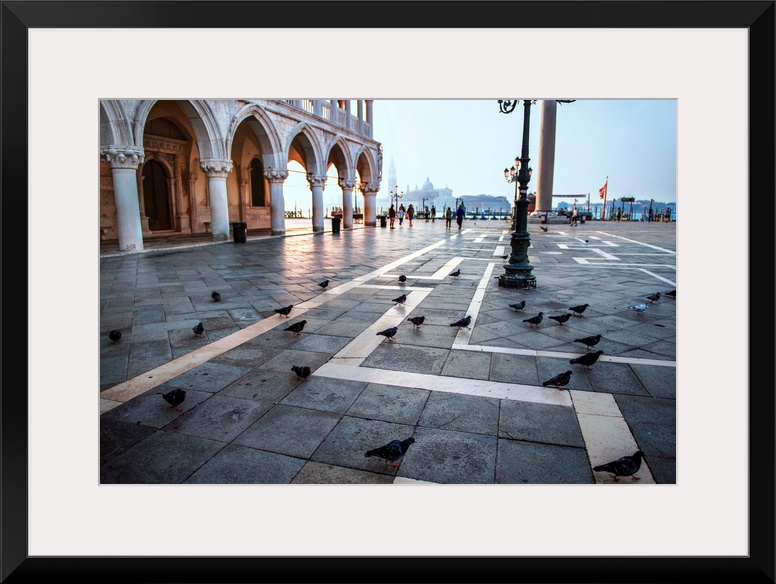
{"x": 335, "y": 224}
{"x": 382, "y": 221}
{"x": 239, "y": 231}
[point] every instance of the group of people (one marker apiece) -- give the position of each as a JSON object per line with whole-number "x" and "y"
{"x": 409, "y": 213}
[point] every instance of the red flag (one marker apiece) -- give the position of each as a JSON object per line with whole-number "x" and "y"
{"x": 602, "y": 190}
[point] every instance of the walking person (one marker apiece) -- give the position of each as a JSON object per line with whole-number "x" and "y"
{"x": 459, "y": 215}
{"x": 410, "y": 213}
{"x": 425, "y": 213}
{"x": 400, "y": 214}
{"x": 433, "y": 213}
{"x": 574, "y": 216}
{"x": 391, "y": 215}
{"x": 448, "y": 218}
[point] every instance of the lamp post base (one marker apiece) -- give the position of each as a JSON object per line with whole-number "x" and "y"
{"x": 514, "y": 279}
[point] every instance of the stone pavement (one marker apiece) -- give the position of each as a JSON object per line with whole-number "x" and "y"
{"x": 472, "y": 399}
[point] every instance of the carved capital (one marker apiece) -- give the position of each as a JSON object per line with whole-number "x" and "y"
{"x": 216, "y": 168}
{"x": 275, "y": 175}
{"x": 346, "y": 183}
{"x": 316, "y": 179}
{"x": 369, "y": 188}
{"x": 127, "y": 158}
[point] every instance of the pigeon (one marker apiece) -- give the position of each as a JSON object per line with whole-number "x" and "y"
{"x": 301, "y": 372}
{"x": 324, "y": 284}
{"x": 400, "y": 299}
{"x": 392, "y": 451}
{"x": 389, "y": 333}
{"x": 672, "y": 293}
{"x": 638, "y": 308}
{"x": 559, "y": 380}
{"x": 535, "y": 320}
{"x": 561, "y": 318}
{"x": 463, "y": 323}
{"x": 198, "y": 329}
{"x": 504, "y": 257}
{"x": 114, "y": 335}
{"x": 456, "y": 273}
{"x": 589, "y": 341}
{"x": 297, "y": 327}
{"x": 543, "y": 228}
{"x": 402, "y": 278}
{"x": 285, "y": 310}
{"x": 578, "y": 310}
{"x": 654, "y": 297}
{"x": 623, "y": 466}
{"x": 216, "y": 296}
{"x": 174, "y": 397}
{"x": 588, "y": 359}
{"x": 417, "y": 320}
{"x": 518, "y": 306}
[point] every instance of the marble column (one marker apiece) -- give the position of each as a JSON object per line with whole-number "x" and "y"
{"x": 347, "y": 201}
{"x": 370, "y": 210}
{"x": 124, "y": 163}
{"x": 546, "y": 158}
{"x": 277, "y": 204}
{"x": 193, "y": 200}
{"x": 317, "y": 184}
{"x": 217, "y": 171}
{"x": 184, "y": 226}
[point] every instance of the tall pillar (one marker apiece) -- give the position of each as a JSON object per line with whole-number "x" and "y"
{"x": 347, "y": 201}
{"x": 217, "y": 171}
{"x": 277, "y": 204}
{"x": 546, "y": 160}
{"x": 184, "y": 226}
{"x": 244, "y": 196}
{"x": 370, "y": 210}
{"x": 193, "y": 199}
{"x": 123, "y": 164}
{"x": 317, "y": 184}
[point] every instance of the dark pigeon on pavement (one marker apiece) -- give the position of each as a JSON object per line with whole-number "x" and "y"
{"x": 114, "y": 335}
{"x": 174, "y": 397}
{"x": 623, "y": 466}
{"x": 417, "y": 320}
{"x": 588, "y": 359}
{"x": 389, "y": 333}
{"x": 285, "y": 310}
{"x": 463, "y": 323}
{"x": 297, "y": 327}
{"x": 400, "y": 299}
{"x": 671, "y": 293}
{"x": 543, "y": 228}
{"x": 654, "y": 297}
{"x": 535, "y": 320}
{"x": 578, "y": 310}
{"x": 456, "y": 273}
{"x": 301, "y": 372}
{"x": 402, "y": 278}
{"x": 198, "y": 329}
{"x": 216, "y": 296}
{"x": 324, "y": 284}
{"x": 561, "y": 318}
{"x": 589, "y": 342}
{"x": 392, "y": 451}
{"x": 559, "y": 380}
{"x": 519, "y": 305}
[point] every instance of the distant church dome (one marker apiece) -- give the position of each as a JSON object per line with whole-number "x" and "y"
{"x": 427, "y": 186}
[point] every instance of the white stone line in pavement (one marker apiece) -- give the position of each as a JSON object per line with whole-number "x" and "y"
{"x": 499, "y": 251}
{"x": 408, "y": 481}
{"x": 464, "y": 334}
{"x": 661, "y": 278}
{"x": 669, "y": 251}
{"x": 363, "y": 345}
{"x": 445, "y": 270}
{"x": 476, "y": 387}
{"x": 588, "y": 262}
{"x": 606, "y": 434}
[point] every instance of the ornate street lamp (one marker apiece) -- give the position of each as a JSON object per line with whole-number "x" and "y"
{"x": 518, "y": 270}
{"x": 395, "y": 196}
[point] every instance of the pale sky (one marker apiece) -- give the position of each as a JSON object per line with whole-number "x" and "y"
{"x": 465, "y": 145}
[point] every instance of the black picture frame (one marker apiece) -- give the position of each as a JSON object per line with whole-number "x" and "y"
{"x": 755, "y": 16}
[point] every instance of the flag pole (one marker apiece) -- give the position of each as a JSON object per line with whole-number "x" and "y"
{"x": 606, "y": 192}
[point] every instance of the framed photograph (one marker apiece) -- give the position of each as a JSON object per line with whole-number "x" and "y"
{"x": 716, "y": 58}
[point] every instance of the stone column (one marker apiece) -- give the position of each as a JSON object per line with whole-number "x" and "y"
{"x": 347, "y": 201}
{"x": 184, "y": 226}
{"x": 124, "y": 163}
{"x": 370, "y": 210}
{"x": 244, "y": 195}
{"x": 546, "y": 168}
{"x": 217, "y": 171}
{"x": 277, "y": 203}
{"x": 317, "y": 184}
{"x": 193, "y": 199}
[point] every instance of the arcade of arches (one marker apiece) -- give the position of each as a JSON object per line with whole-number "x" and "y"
{"x": 196, "y": 166}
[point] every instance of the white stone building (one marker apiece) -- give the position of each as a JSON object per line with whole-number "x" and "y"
{"x": 195, "y": 166}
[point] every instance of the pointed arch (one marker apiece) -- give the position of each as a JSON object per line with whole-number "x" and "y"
{"x": 265, "y": 131}
{"x": 303, "y": 140}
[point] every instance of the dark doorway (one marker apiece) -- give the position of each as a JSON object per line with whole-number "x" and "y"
{"x": 156, "y": 196}
{"x": 258, "y": 198}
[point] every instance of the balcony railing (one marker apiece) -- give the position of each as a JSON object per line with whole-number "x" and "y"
{"x": 322, "y": 109}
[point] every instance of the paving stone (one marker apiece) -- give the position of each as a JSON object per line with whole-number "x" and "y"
{"x": 541, "y": 464}
{"x": 326, "y": 394}
{"x": 263, "y": 385}
{"x": 209, "y": 376}
{"x": 220, "y": 418}
{"x": 465, "y": 413}
{"x": 402, "y": 405}
{"x": 317, "y": 473}
{"x": 535, "y": 422}
{"x": 468, "y": 364}
{"x": 399, "y": 357}
{"x": 236, "y": 465}
{"x": 151, "y": 409}
{"x": 117, "y": 436}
